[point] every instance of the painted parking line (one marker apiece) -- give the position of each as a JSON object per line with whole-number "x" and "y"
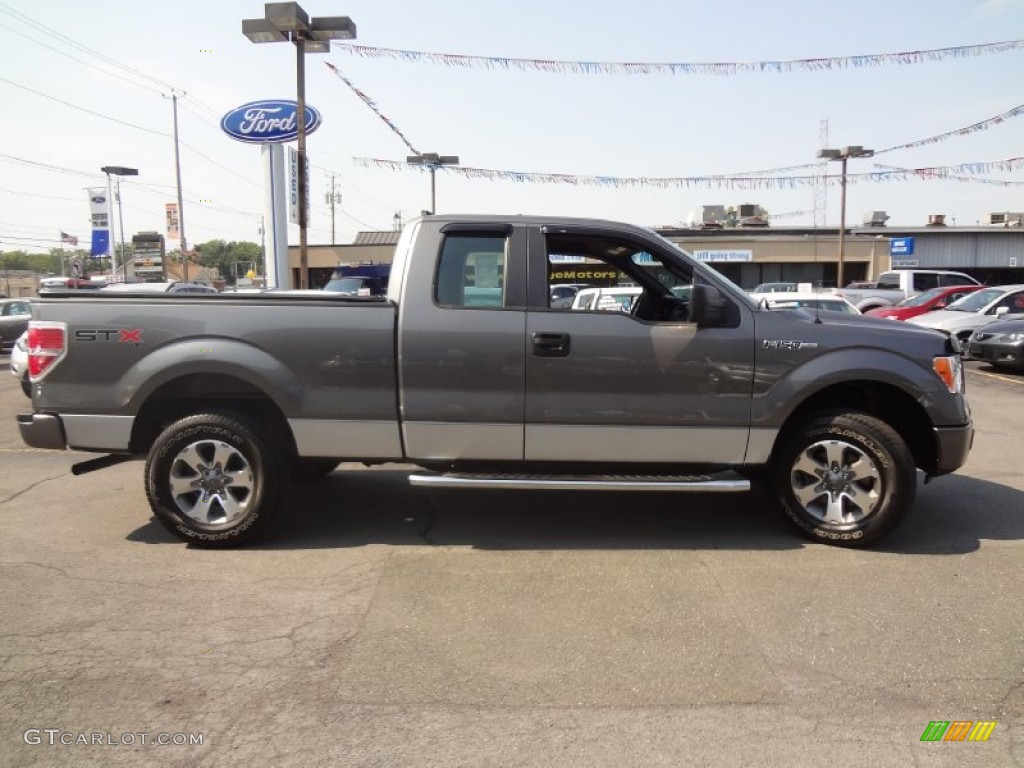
{"x": 1011, "y": 379}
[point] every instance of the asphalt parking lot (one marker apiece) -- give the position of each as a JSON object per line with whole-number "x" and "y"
{"x": 387, "y": 627}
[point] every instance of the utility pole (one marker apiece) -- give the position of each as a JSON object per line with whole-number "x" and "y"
{"x": 181, "y": 207}
{"x": 263, "y": 250}
{"x": 332, "y": 198}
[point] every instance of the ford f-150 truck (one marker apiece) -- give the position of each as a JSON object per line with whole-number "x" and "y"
{"x": 466, "y": 369}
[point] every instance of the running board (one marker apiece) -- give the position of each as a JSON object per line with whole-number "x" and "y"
{"x": 722, "y": 482}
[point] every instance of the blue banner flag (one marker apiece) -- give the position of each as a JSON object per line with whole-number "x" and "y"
{"x": 100, "y": 242}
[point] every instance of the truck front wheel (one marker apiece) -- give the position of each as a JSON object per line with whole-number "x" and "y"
{"x": 214, "y": 479}
{"x": 845, "y": 478}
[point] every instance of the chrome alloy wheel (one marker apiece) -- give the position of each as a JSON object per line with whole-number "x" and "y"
{"x": 836, "y": 482}
{"x": 211, "y": 482}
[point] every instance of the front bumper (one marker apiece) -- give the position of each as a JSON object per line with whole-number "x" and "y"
{"x": 952, "y": 444}
{"x": 1009, "y": 353}
{"x": 42, "y": 430}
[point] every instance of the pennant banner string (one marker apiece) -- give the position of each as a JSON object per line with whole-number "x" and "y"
{"x": 965, "y": 131}
{"x": 952, "y": 176}
{"x": 704, "y": 182}
{"x": 681, "y": 68}
{"x": 372, "y": 105}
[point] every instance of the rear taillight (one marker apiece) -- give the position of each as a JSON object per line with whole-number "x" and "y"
{"x": 47, "y": 345}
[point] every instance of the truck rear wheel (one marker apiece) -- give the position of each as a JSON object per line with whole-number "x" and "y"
{"x": 846, "y": 479}
{"x": 214, "y": 479}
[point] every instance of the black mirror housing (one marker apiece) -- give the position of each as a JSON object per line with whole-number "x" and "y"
{"x": 709, "y": 307}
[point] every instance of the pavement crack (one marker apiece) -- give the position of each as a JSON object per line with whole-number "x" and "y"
{"x": 25, "y": 490}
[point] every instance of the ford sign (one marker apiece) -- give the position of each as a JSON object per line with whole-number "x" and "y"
{"x": 273, "y": 120}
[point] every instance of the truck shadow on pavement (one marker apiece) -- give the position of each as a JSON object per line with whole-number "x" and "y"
{"x": 353, "y": 508}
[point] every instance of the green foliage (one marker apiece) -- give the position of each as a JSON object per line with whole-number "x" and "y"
{"x": 221, "y": 255}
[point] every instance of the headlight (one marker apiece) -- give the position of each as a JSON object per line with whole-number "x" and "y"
{"x": 1015, "y": 336}
{"x": 951, "y": 371}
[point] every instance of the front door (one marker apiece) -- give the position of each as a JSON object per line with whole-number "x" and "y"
{"x": 630, "y": 381}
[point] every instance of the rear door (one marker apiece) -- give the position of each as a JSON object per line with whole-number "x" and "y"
{"x": 461, "y": 343}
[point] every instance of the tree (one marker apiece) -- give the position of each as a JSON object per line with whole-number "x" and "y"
{"x": 221, "y": 255}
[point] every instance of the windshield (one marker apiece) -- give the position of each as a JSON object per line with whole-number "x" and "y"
{"x": 976, "y": 301}
{"x": 349, "y": 285}
{"x": 923, "y": 298}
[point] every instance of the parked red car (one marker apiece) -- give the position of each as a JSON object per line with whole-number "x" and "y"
{"x": 919, "y": 304}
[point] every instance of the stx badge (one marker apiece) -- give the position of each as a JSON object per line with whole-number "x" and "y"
{"x": 131, "y": 336}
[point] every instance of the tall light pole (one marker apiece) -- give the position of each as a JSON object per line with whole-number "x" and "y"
{"x": 288, "y": 22}
{"x": 843, "y": 155}
{"x": 432, "y": 160}
{"x": 119, "y": 171}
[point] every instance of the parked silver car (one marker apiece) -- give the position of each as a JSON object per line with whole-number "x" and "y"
{"x": 964, "y": 317}
{"x": 19, "y": 363}
{"x": 14, "y": 317}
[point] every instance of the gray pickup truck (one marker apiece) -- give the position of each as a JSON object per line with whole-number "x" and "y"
{"x": 467, "y": 370}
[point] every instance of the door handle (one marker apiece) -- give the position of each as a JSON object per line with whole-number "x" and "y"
{"x": 551, "y": 344}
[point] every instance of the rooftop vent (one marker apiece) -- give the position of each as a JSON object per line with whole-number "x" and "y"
{"x": 937, "y": 220}
{"x": 875, "y": 218}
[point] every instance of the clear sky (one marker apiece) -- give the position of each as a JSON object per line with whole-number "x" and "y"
{"x": 58, "y": 91}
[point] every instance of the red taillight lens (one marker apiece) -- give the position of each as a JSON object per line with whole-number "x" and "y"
{"x": 47, "y": 344}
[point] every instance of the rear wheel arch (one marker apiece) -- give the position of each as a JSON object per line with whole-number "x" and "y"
{"x": 201, "y": 392}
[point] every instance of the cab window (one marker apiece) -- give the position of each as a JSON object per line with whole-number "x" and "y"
{"x": 471, "y": 271}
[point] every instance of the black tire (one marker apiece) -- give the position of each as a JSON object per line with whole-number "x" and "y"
{"x": 245, "y": 479}
{"x": 311, "y": 470}
{"x": 846, "y": 479}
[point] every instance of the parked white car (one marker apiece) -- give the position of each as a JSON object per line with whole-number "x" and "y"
{"x": 976, "y": 310}
{"x": 802, "y": 300}
{"x": 19, "y": 363}
{"x": 618, "y": 299}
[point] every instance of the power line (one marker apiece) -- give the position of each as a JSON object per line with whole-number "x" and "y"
{"x": 23, "y": 36}
{"x": 83, "y": 109}
{"x": 84, "y": 48}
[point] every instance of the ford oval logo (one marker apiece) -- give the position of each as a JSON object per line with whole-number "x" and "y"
{"x": 273, "y": 120}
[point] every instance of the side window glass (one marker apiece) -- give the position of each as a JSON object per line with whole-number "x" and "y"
{"x": 925, "y": 281}
{"x": 889, "y": 280}
{"x": 610, "y": 275}
{"x": 471, "y": 271}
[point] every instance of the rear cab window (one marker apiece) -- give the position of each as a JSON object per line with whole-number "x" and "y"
{"x": 471, "y": 271}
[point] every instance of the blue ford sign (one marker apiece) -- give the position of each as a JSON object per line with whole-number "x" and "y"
{"x": 272, "y": 120}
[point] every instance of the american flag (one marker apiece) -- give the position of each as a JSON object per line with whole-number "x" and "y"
{"x": 69, "y": 239}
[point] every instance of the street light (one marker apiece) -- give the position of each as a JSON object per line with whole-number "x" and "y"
{"x": 119, "y": 171}
{"x": 843, "y": 155}
{"x": 432, "y": 160}
{"x": 288, "y": 22}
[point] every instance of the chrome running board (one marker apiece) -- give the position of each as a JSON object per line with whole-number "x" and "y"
{"x": 723, "y": 482}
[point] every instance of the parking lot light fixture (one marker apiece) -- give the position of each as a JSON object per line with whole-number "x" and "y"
{"x": 432, "y": 160}
{"x": 119, "y": 171}
{"x": 288, "y": 22}
{"x": 842, "y": 155}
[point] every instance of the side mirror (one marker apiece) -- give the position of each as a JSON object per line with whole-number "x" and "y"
{"x": 708, "y": 306}
{"x": 1000, "y": 311}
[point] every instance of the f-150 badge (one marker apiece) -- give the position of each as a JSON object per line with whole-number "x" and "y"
{"x": 786, "y": 344}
